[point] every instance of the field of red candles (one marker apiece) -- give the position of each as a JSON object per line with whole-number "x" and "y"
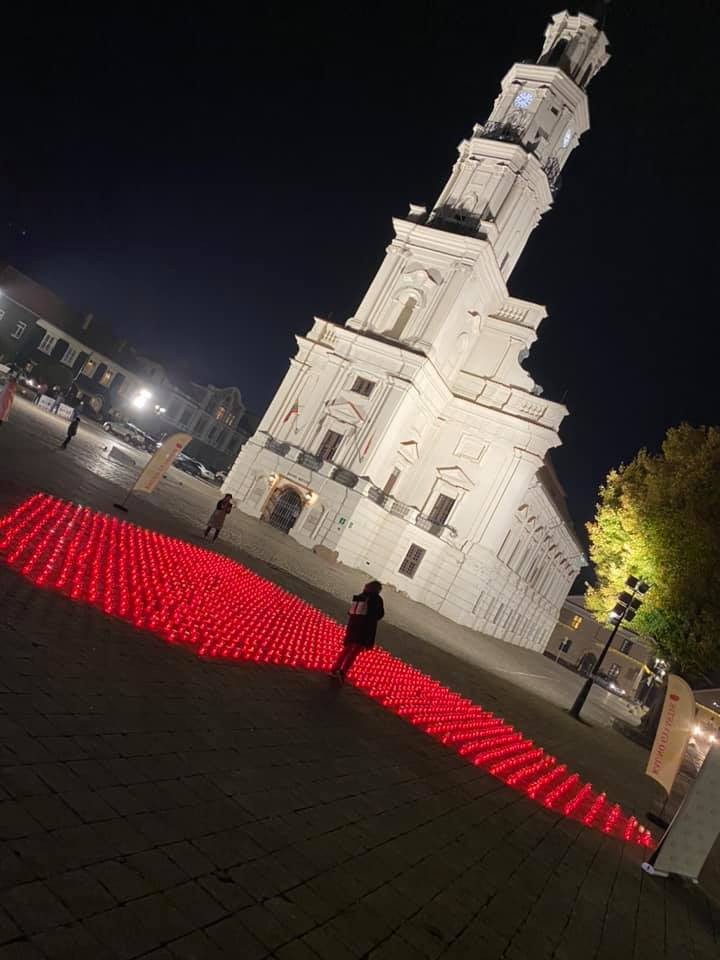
{"x": 189, "y": 595}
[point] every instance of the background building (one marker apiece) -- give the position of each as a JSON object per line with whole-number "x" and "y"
{"x": 86, "y": 360}
{"x": 578, "y": 639}
{"x": 411, "y": 443}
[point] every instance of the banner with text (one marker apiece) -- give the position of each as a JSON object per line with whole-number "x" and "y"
{"x": 676, "y": 720}
{"x": 160, "y": 462}
{"x": 695, "y": 827}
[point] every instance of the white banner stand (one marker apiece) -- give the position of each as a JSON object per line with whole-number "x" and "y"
{"x": 688, "y": 840}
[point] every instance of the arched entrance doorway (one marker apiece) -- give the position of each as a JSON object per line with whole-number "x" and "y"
{"x": 285, "y": 510}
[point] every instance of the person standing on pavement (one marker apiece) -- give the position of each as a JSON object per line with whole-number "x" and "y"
{"x": 366, "y": 611}
{"x": 40, "y": 393}
{"x": 7, "y": 395}
{"x": 58, "y": 401}
{"x": 71, "y": 430}
{"x": 217, "y": 519}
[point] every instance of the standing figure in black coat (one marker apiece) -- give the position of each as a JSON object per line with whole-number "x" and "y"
{"x": 366, "y": 610}
{"x": 71, "y": 430}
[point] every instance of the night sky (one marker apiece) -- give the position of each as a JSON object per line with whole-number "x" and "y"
{"x": 206, "y": 185}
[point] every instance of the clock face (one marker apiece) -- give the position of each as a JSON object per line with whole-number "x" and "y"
{"x": 567, "y": 137}
{"x": 524, "y": 99}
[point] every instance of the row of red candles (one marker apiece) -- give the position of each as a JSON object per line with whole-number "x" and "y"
{"x": 190, "y": 595}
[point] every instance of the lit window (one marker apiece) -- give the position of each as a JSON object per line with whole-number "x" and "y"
{"x": 220, "y": 413}
{"x": 47, "y": 343}
{"x": 413, "y": 559}
{"x": 89, "y": 368}
{"x": 230, "y": 419}
{"x": 20, "y": 328}
{"x": 106, "y": 378}
{"x": 576, "y": 622}
{"x": 69, "y": 357}
{"x": 565, "y": 645}
{"x": 362, "y": 386}
{"x": 329, "y": 446}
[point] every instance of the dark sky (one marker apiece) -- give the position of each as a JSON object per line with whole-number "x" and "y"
{"x": 207, "y": 183}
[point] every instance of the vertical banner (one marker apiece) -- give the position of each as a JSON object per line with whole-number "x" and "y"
{"x": 673, "y": 732}
{"x": 695, "y": 827}
{"x": 159, "y": 463}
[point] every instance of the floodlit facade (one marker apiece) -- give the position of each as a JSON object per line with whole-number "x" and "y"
{"x": 411, "y": 443}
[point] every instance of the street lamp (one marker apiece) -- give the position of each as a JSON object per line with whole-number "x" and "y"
{"x": 141, "y": 398}
{"x": 623, "y": 611}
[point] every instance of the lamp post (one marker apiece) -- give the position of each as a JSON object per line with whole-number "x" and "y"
{"x": 623, "y": 611}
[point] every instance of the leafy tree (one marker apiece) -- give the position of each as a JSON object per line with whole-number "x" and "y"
{"x": 658, "y": 518}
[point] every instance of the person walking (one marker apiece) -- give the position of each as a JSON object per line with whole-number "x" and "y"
{"x": 40, "y": 393}
{"x": 7, "y": 395}
{"x": 217, "y": 519}
{"x": 71, "y": 430}
{"x": 365, "y": 612}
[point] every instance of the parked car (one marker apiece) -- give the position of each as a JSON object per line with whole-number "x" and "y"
{"x": 221, "y": 476}
{"x": 193, "y": 467}
{"x": 127, "y": 431}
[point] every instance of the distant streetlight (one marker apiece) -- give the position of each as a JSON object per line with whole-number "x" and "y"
{"x": 141, "y": 398}
{"x": 624, "y": 610}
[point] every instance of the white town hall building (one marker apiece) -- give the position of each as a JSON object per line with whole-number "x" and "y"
{"x": 411, "y": 443}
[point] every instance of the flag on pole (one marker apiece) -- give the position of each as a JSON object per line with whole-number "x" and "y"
{"x": 293, "y": 411}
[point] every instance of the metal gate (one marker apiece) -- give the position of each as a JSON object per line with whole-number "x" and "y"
{"x": 286, "y": 510}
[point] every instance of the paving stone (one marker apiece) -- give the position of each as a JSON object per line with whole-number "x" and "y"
{"x": 189, "y": 858}
{"x": 81, "y": 893}
{"x": 73, "y": 942}
{"x": 34, "y": 907}
{"x": 121, "y": 930}
{"x": 195, "y": 903}
{"x": 232, "y": 936}
{"x": 120, "y": 880}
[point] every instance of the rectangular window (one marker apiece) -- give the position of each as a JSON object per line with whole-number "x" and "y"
{"x": 565, "y": 644}
{"x": 329, "y": 447}
{"x": 220, "y": 413}
{"x": 413, "y": 559}
{"x": 626, "y": 646}
{"x": 106, "y": 378}
{"x": 47, "y": 343}
{"x": 362, "y": 386}
{"x": 441, "y": 509}
{"x": 20, "y": 328}
{"x": 89, "y": 368}
{"x": 576, "y": 622}
{"x": 230, "y": 419}
{"x": 69, "y": 357}
{"x": 613, "y": 671}
{"x": 391, "y": 481}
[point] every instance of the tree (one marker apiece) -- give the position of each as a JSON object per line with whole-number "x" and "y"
{"x": 658, "y": 518}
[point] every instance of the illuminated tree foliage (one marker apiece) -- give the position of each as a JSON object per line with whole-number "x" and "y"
{"x": 658, "y": 518}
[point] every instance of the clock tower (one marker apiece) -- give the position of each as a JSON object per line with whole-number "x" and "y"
{"x": 411, "y": 443}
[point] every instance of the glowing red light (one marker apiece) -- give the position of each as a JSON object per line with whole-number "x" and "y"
{"x": 189, "y": 595}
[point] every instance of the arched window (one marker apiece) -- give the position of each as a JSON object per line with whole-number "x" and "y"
{"x": 403, "y": 318}
{"x": 586, "y": 76}
{"x": 556, "y": 53}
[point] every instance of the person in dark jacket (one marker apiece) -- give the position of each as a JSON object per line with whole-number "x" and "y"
{"x": 365, "y": 612}
{"x": 71, "y": 430}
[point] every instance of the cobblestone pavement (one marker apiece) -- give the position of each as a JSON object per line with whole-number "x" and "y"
{"x": 154, "y": 805}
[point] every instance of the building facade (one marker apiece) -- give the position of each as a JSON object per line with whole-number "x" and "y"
{"x": 578, "y": 640}
{"x": 411, "y": 443}
{"x": 84, "y": 359}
